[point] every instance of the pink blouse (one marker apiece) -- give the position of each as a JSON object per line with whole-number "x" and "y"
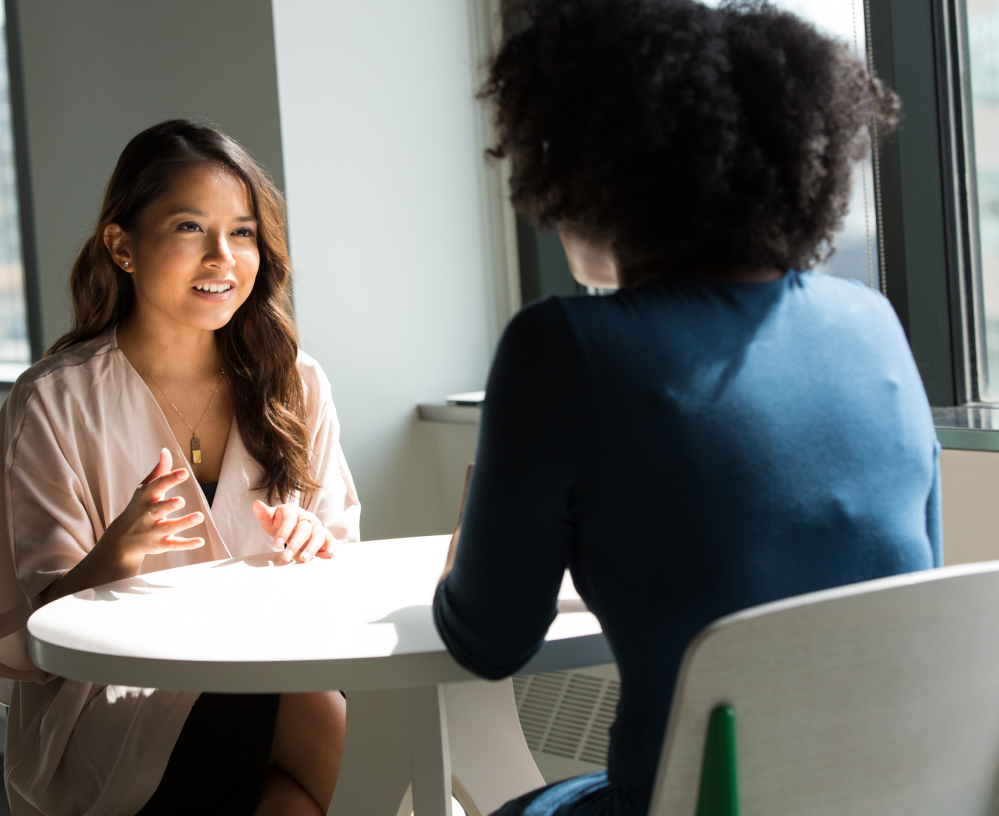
{"x": 81, "y": 431}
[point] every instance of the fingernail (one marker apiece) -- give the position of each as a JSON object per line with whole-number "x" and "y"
{"x": 306, "y": 557}
{"x": 279, "y": 542}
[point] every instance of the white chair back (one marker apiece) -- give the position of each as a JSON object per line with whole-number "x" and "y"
{"x": 875, "y": 699}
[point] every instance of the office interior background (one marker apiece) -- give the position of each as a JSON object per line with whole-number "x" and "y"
{"x": 409, "y": 260}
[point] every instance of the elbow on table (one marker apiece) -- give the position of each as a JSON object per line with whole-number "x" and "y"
{"x": 491, "y": 668}
{"x": 489, "y": 658}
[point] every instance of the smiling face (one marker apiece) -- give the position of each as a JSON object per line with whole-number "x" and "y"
{"x": 193, "y": 256}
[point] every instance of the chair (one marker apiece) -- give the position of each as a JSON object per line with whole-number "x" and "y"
{"x": 875, "y": 699}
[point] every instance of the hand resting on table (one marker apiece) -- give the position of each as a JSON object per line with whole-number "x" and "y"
{"x": 300, "y": 532}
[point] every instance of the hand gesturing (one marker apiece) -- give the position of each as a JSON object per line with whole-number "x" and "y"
{"x": 144, "y": 527}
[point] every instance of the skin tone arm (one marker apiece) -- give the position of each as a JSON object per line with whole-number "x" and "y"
{"x": 142, "y": 528}
{"x": 457, "y": 528}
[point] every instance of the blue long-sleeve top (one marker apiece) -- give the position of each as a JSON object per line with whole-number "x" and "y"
{"x": 687, "y": 447}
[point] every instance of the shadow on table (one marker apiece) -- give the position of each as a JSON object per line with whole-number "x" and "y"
{"x": 258, "y": 560}
{"x": 414, "y": 626}
{"x": 127, "y": 586}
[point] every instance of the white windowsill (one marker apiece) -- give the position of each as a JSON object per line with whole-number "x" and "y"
{"x": 447, "y": 412}
{"x": 459, "y": 409}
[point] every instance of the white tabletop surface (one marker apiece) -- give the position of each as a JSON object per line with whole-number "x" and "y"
{"x": 361, "y": 621}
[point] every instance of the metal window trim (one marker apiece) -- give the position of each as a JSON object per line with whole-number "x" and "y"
{"x": 973, "y": 301}
{"x": 925, "y": 259}
{"x": 951, "y": 123}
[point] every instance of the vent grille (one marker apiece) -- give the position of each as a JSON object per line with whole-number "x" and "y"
{"x": 567, "y": 714}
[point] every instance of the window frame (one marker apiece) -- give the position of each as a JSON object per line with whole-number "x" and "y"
{"x": 929, "y": 203}
{"x": 922, "y": 261}
{"x": 29, "y": 255}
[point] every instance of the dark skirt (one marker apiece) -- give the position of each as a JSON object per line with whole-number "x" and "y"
{"x": 221, "y": 758}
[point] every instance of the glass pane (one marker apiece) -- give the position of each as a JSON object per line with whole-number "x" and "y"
{"x": 14, "y": 347}
{"x": 983, "y": 59}
{"x": 856, "y": 253}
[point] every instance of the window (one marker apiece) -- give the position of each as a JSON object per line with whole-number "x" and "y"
{"x": 982, "y": 66}
{"x": 856, "y": 254}
{"x": 15, "y": 346}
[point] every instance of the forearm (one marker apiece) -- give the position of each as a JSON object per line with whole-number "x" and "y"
{"x": 103, "y": 564}
{"x": 451, "y": 550}
{"x": 144, "y": 527}
{"x": 449, "y": 562}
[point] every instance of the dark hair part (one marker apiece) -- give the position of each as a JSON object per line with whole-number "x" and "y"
{"x": 259, "y": 345}
{"x": 681, "y": 135}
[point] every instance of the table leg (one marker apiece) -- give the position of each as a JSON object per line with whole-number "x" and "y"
{"x": 375, "y": 771}
{"x": 490, "y": 760}
{"x": 429, "y": 754}
{"x": 465, "y": 734}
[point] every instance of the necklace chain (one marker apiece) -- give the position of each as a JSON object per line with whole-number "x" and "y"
{"x": 195, "y": 444}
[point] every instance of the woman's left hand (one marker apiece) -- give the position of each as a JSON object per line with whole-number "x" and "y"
{"x": 298, "y": 531}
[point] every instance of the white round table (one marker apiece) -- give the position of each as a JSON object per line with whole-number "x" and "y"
{"x": 361, "y": 622}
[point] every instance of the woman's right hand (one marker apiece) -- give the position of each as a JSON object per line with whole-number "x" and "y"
{"x": 144, "y": 527}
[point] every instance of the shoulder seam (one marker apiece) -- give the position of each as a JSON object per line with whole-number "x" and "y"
{"x": 62, "y": 366}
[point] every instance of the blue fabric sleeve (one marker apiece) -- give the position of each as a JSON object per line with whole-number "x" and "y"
{"x": 495, "y": 606}
{"x": 934, "y": 513}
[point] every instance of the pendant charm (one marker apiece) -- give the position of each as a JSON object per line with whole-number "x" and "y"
{"x": 195, "y": 451}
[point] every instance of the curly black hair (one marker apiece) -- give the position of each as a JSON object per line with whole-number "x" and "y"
{"x": 683, "y": 136}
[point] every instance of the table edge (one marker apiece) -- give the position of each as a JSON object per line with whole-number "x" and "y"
{"x": 357, "y": 674}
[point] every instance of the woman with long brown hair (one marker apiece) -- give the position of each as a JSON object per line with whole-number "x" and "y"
{"x": 182, "y": 358}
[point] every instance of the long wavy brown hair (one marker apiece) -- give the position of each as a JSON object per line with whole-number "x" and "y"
{"x": 259, "y": 346}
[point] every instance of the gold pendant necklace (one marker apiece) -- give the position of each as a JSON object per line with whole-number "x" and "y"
{"x": 195, "y": 442}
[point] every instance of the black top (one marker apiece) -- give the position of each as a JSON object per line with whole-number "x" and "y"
{"x": 688, "y": 447}
{"x": 209, "y": 489}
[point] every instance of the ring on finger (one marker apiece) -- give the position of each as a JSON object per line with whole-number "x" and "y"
{"x": 294, "y": 530}
{"x": 308, "y": 536}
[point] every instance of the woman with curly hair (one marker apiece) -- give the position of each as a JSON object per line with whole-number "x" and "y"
{"x": 728, "y": 428}
{"x": 182, "y": 358}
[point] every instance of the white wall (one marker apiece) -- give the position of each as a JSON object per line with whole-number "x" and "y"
{"x": 396, "y": 292}
{"x": 98, "y": 72}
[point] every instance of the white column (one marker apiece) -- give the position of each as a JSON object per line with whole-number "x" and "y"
{"x": 429, "y": 752}
{"x": 392, "y": 240}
